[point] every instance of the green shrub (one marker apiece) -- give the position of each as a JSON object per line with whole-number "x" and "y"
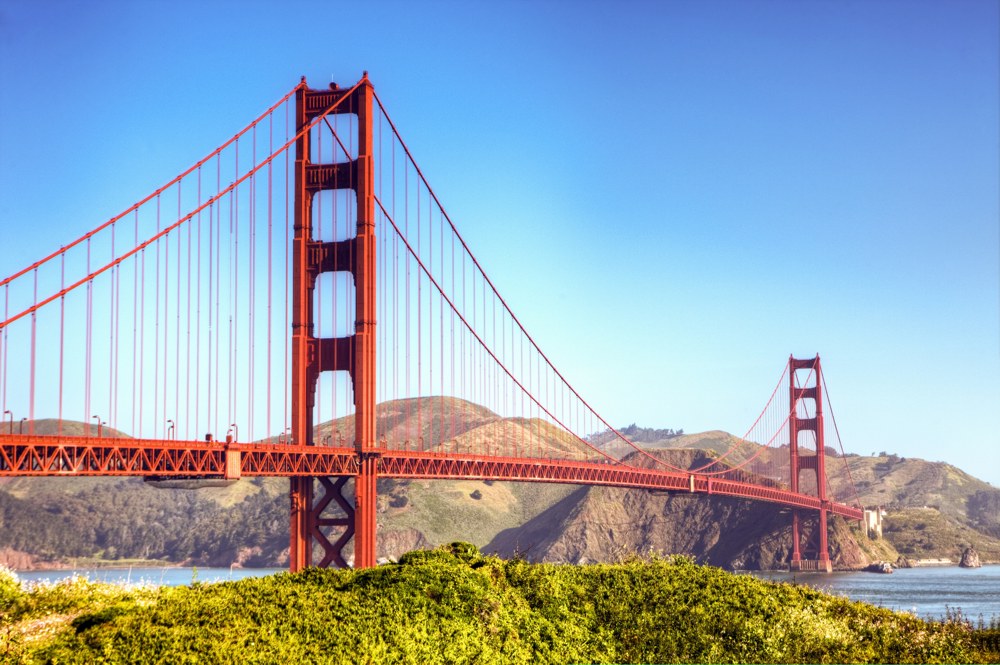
{"x": 454, "y": 605}
{"x": 10, "y": 589}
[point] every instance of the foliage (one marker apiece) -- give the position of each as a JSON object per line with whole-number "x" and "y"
{"x": 925, "y": 533}
{"x": 636, "y": 434}
{"x": 131, "y": 519}
{"x": 43, "y": 611}
{"x": 454, "y": 605}
{"x": 984, "y": 511}
{"x": 10, "y": 589}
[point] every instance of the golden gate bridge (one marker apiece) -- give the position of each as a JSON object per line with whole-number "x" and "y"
{"x": 298, "y": 303}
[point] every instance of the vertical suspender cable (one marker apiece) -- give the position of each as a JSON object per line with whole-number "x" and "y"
{"x": 177, "y": 330}
{"x": 197, "y": 322}
{"x": 88, "y": 344}
{"x": 209, "y": 367}
{"x": 453, "y": 345}
{"x": 156, "y": 333}
{"x": 192, "y": 381}
{"x": 442, "y": 272}
{"x": 166, "y": 326}
{"x": 430, "y": 324}
{"x": 395, "y": 286}
{"x": 252, "y": 272}
{"x": 31, "y": 399}
{"x": 112, "y": 326}
{"x": 234, "y": 287}
{"x": 270, "y": 269}
{"x": 218, "y": 298}
{"x": 420, "y": 331}
{"x": 62, "y": 336}
{"x": 288, "y": 296}
{"x": 215, "y": 354}
{"x": 406, "y": 223}
{"x": 233, "y": 296}
{"x": 135, "y": 328}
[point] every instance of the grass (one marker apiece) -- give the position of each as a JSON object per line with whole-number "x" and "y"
{"x": 446, "y": 510}
{"x": 453, "y": 605}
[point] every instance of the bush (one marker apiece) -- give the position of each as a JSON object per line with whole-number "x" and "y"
{"x": 455, "y": 605}
{"x": 10, "y": 589}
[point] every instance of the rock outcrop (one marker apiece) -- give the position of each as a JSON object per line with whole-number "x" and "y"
{"x": 970, "y": 559}
{"x": 17, "y": 560}
{"x": 606, "y": 524}
{"x": 903, "y": 562}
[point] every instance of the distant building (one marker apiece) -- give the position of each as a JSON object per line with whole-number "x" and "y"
{"x": 873, "y": 521}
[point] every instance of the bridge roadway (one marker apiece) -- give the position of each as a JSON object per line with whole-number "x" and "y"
{"x": 33, "y": 455}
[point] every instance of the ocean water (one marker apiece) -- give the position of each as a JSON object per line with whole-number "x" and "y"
{"x": 929, "y": 592}
{"x": 926, "y": 592}
{"x": 161, "y": 576}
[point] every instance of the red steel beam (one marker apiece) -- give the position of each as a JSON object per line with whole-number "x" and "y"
{"x": 26, "y": 455}
{"x": 355, "y": 353}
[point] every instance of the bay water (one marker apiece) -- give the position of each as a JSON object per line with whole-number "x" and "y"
{"x": 929, "y": 592}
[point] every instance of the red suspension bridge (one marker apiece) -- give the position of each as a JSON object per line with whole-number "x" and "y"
{"x": 298, "y": 303}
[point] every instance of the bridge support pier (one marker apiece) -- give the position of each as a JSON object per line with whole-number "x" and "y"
{"x": 355, "y": 353}
{"x": 817, "y": 545}
{"x": 798, "y": 422}
{"x": 300, "y": 544}
{"x": 365, "y": 524}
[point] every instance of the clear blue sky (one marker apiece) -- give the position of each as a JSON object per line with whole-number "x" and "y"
{"x": 672, "y": 196}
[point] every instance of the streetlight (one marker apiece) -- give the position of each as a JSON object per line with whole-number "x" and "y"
{"x": 170, "y": 428}
{"x": 6, "y": 413}
{"x": 20, "y": 426}
{"x": 98, "y": 419}
{"x": 235, "y": 430}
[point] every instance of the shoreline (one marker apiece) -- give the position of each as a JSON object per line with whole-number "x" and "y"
{"x": 114, "y": 565}
{"x": 54, "y": 567}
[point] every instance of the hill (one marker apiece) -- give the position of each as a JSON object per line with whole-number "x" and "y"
{"x": 934, "y": 510}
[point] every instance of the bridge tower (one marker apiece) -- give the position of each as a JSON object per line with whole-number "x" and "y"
{"x": 354, "y": 354}
{"x": 797, "y": 424}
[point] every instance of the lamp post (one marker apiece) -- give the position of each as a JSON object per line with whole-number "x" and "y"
{"x": 98, "y": 419}
{"x": 20, "y": 426}
{"x": 170, "y": 429}
{"x": 8, "y": 413}
{"x": 236, "y": 432}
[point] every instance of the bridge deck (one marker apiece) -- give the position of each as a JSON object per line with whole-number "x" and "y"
{"x": 26, "y": 455}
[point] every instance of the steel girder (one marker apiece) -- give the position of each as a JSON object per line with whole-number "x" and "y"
{"x": 24, "y": 455}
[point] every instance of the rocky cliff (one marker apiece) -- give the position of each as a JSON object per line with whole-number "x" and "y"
{"x": 608, "y": 524}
